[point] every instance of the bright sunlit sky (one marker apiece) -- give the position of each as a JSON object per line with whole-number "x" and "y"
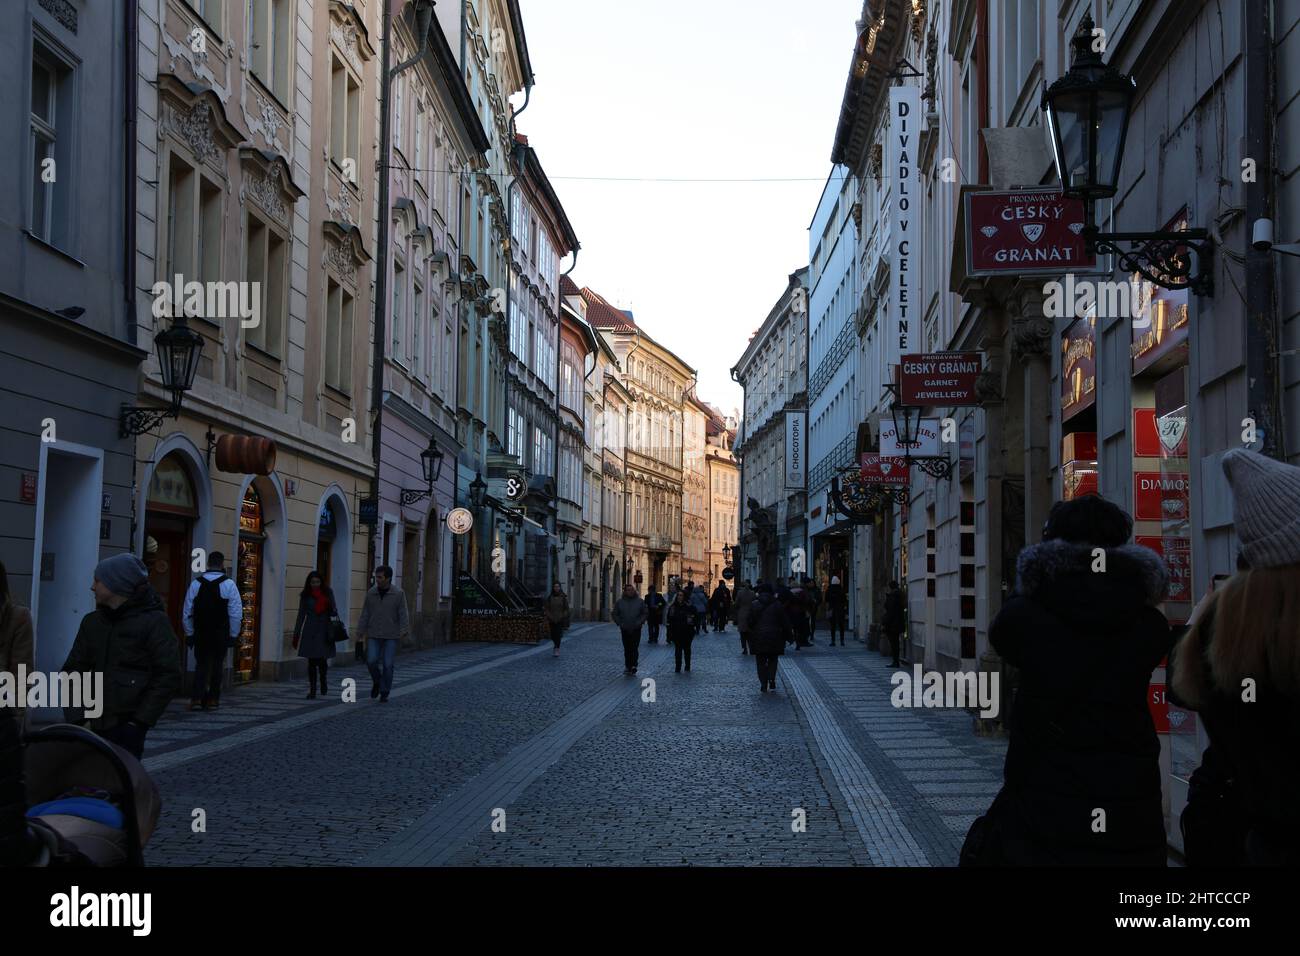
{"x": 734, "y": 89}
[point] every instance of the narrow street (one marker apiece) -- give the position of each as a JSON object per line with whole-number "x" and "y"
{"x": 587, "y": 772}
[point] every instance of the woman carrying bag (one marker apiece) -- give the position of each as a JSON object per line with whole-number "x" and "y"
{"x": 315, "y": 631}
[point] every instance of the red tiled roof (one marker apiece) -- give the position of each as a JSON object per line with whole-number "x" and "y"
{"x": 602, "y": 315}
{"x": 567, "y": 286}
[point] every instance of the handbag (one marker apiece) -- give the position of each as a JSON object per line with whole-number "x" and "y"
{"x": 338, "y": 631}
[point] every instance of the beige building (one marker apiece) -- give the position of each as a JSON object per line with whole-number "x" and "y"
{"x": 695, "y": 492}
{"x": 723, "y": 480}
{"x": 256, "y": 167}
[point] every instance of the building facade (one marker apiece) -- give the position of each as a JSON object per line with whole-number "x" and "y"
{"x": 695, "y": 492}
{"x": 723, "y": 482}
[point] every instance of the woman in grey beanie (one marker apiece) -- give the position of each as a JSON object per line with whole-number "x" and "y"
{"x": 1239, "y": 664}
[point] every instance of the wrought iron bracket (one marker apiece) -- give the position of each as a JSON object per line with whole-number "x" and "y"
{"x": 940, "y": 468}
{"x": 411, "y": 496}
{"x": 137, "y": 420}
{"x": 1160, "y": 257}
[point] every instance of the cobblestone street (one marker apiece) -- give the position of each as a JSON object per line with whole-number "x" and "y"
{"x": 576, "y": 765}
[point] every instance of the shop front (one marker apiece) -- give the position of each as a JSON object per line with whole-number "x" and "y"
{"x": 171, "y": 512}
{"x": 249, "y": 577}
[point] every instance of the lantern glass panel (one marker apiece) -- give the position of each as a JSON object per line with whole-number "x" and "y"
{"x": 1112, "y": 122}
{"x": 1070, "y": 128}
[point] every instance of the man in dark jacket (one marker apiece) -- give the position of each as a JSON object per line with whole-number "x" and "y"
{"x": 813, "y": 595}
{"x": 629, "y": 614}
{"x": 127, "y": 639}
{"x": 894, "y": 621}
{"x": 835, "y": 607}
{"x": 654, "y": 614}
{"x": 742, "y": 610}
{"x": 383, "y": 623}
{"x": 768, "y": 637}
{"x": 682, "y": 620}
{"x": 1082, "y": 777}
{"x": 212, "y": 617}
{"x": 720, "y": 606}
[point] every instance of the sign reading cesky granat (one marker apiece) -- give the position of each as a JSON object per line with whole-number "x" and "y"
{"x": 1024, "y": 232}
{"x": 939, "y": 378}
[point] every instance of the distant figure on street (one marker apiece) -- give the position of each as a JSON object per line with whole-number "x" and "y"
{"x": 629, "y": 614}
{"x": 1249, "y": 627}
{"x": 384, "y": 622}
{"x": 313, "y": 631}
{"x": 654, "y": 613}
{"x": 813, "y": 595}
{"x": 742, "y": 610}
{"x": 835, "y": 608}
{"x": 16, "y": 644}
{"x": 129, "y": 640}
{"x": 768, "y": 637}
{"x": 212, "y": 618}
{"x": 1082, "y": 738}
{"x": 557, "y": 615}
{"x": 681, "y": 626}
{"x": 894, "y": 621}
{"x": 720, "y": 606}
{"x": 700, "y": 604}
{"x": 796, "y": 609}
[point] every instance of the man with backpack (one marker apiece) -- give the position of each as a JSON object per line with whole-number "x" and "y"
{"x": 213, "y": 618}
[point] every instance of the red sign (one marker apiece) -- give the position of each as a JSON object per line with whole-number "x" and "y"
{"x": 1160, "y": 497}
{"x": 1146, "y": 441}
{"x": 1177, "y": 554}
{"x": 27, "y": 488}
{"x": 939, "y": 378}
{"x": 1024, "y": 232}
{"x": 884, "y": 471}
{"x": 1158, "y": 704}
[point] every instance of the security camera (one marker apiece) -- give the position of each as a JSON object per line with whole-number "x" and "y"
{"x": 1262, "y": 235}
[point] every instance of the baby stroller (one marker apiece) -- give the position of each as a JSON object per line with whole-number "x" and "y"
{"x": 68, "y": 797}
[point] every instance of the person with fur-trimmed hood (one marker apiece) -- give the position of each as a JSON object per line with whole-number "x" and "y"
{"x": 1082, "y": 773}
{"x": 1239, "y": 667}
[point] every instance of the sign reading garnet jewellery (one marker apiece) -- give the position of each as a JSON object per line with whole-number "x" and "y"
{"x": 939, "y": 378}
{"x": 1025, "y": 232}
{"x": 883, "y": 470}
{"x": 905, "y": 185}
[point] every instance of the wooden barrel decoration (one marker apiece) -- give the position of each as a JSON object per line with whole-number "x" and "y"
{"x": 245, "y": 454}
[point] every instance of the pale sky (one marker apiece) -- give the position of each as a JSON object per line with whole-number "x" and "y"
{"x": 695, "y": 89}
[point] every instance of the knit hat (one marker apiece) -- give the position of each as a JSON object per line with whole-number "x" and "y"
{"x": 1265, "y": 508}
{"x": 121, "y": 574}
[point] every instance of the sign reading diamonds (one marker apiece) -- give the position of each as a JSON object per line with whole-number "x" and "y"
{"x": 1023, "y": 232}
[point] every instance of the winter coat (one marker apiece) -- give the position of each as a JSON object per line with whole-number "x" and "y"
{"x": 629, "y": 613}
{"x": 721, "y": 598}
{"x": 1254, "y": 741}
{"x": 136, "y": 650}
{"x": 742, "y": 609}
{"x": 654, "y": 607}
{"x": 796, "y": 610}
{"x": 384, "y": 616}
{"x": 16, "y": 646}
{"x": 834, "y": 596}
{"x": 681, "y": 622}
{"x": 698, "y": 601}
{"x": 557, "y": 609}
{"x": 893, "y": 621}
{"x": 314, "y": 632}
{"x": 1082, "y": 737}
{"x": 771, "y": 627}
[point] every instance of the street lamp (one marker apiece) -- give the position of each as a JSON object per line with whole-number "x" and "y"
{"x": 179, "y": 348}
{"x": 431, "y": 466}
{"x": 1088, "y": 112}
{"x": 907, "y": 424}
{"x": 477, "y": 490}
{"x": 577, "y": 548}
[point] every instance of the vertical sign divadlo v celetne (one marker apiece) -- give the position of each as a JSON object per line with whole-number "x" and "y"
{"x": 905, "y": 192}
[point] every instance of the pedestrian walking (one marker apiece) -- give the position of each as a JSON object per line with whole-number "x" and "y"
{"x": 720, "y": 606}
{"x": 813, "y": 595}
{"x": 129, "y": 640}
{"x": 796, "y": 609}
{"x": 768, "y": 637}
{"x": 654, "y": 613}
{"x": 742, "y": 610}
{"x": 682, "y": 620}
{"x": 313, "y": 631}
{"x": 629, "y": 614}
{"x": 1238, "y": 666}
{"x": 836, "y": 603}
{"x": 894, "y": 620}
{"x": 557, "y": 615}
{"x": 384, "y": 622}
{"x": 16, "y": 645}
{"x": 1082, "y": 742}
{"x": 212, "y": 617}
{"x": 700, "y": 604}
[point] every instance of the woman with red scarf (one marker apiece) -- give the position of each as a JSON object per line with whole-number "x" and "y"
{"x": 313, "y": 635}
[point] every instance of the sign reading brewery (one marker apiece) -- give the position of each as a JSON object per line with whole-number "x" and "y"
{"x": 1024, "y": 232}
{"x": 939, "y": 378}
{"x": 883, "y": 470}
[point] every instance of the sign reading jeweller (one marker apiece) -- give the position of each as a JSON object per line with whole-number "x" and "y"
{"x": 1023, "y": 232}
{"x": 883, "y": 470}
{"x": 904, "y": 185}
{"x": 939, "y": 378}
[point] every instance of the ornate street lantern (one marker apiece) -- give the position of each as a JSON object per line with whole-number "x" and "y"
{"x": 179, "y": 348}
{"x": 477, "y": 490}
{"x": 431, "y": 466}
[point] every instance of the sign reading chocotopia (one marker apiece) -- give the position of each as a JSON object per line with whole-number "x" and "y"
{"x": 939, "y": 378}
{"x": 794, "y": 449}
{"x": 1024, "y": 232}
{"x": 905, "y": 185}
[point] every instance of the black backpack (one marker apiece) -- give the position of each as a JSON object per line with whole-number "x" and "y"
{"x": 211, "y": 615}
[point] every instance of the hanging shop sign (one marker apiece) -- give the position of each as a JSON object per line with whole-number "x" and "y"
{"x": 1160, "y": 328}
{"x": 459, "y": 520}
{"x": 882, "y": 470}
{"x": 939, "y": 378}
{"x": 1024, "y": 232}
{"x": 904, "y": 174}
{"x": 794, "y": 450}
{"x": 1078, "y": 367}
{"x": 1160, "y": 497}
{"x": 1177, "y": 555}
{"x": 927, "y": 444}
{"x": 368, "y": 511}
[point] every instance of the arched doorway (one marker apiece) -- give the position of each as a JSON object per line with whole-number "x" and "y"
{"x": 430, "y": 580}
{"x": 334, "y": 548}
{"x": 171, "y": 512}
